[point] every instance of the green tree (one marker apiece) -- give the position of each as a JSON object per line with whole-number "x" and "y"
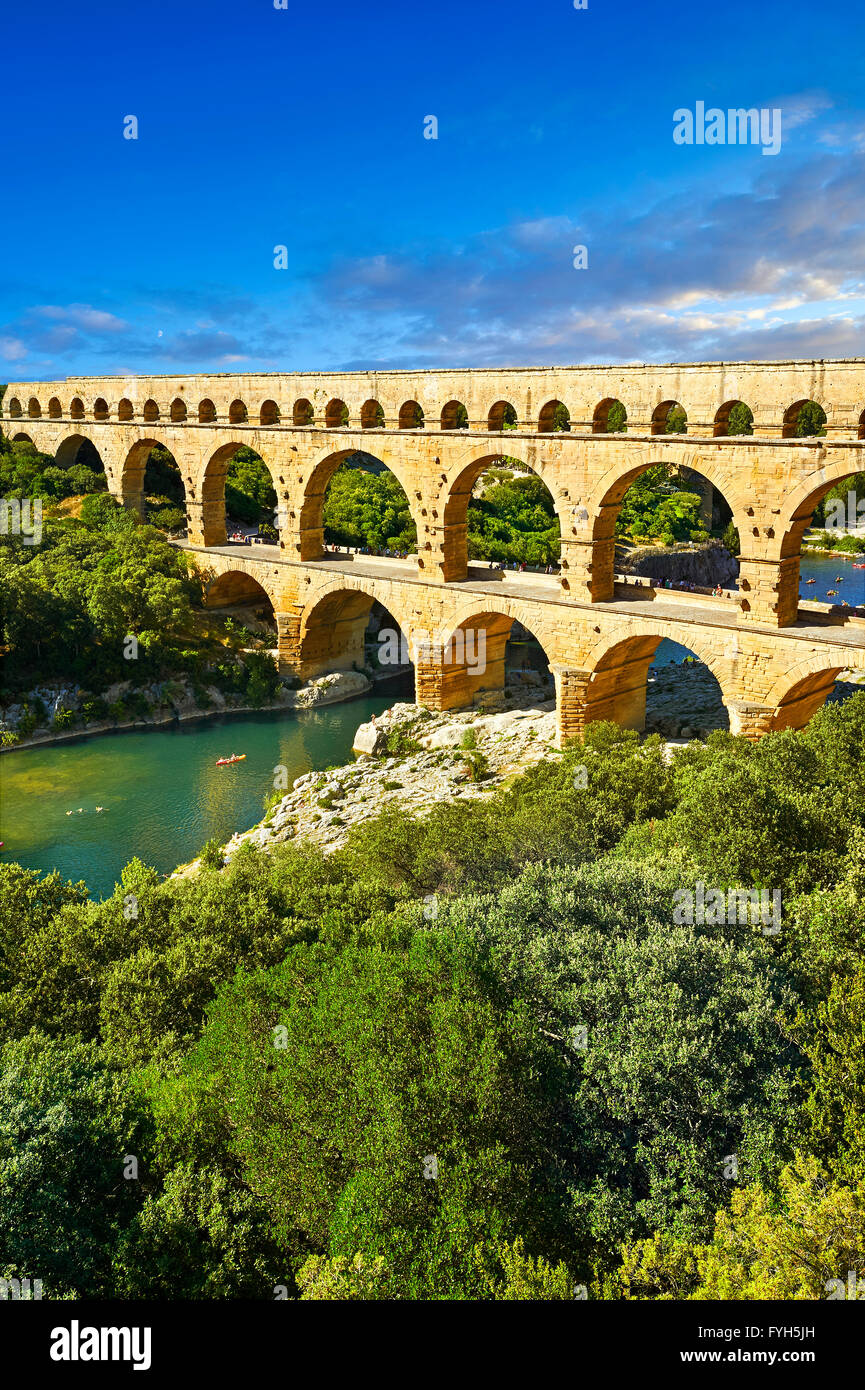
{"x": 68, "y": 1125}
{"x": 362, "y": 508}
{"x": 799, "y": 1248}
{"x": 339, "y": 1077}
{"x": 811, "y": 420}
{"x": 741, "y": 419}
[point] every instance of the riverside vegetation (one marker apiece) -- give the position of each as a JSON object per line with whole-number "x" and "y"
{"x": 468, "y": 1055}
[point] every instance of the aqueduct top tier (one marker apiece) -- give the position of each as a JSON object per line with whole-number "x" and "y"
{"x": 703, "y": 389}
{"x": 438, "y": 430}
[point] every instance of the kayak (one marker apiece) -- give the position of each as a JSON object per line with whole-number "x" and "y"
{"x": 235, "y": 758}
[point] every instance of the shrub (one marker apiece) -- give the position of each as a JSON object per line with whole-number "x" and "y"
{"x": 212, "y": 856}
{"x": 168, "y": 518}
{"x": 400, "y": 744}
{"x": 138, "y": 704}
{"x": 27, "y": 723}
{"x": 476, "y": 763}
{"x": 94, "y": 709}
{"x": 99, "y": 509}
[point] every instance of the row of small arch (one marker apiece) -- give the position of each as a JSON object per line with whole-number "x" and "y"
{"x": 553, "y": 416}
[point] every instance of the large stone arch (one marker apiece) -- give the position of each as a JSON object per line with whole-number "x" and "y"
{"x": 306, "y": 522}
{"x": 67, "y": 449}
{"x": 206, "y": 506}
{"x": 800, "y": 692}
{"x": 605, "y": 501}
{"x": 467, "y": 657}
{"x": 795, "y": 519}
{"x": 330, "y": 628}
{"x": 797, "y": 511}
{"x": 235, "y": 585}
{"x": 454, "y": 559}
{"x": 133, "y": 468}
{"x": 616, "y": 674}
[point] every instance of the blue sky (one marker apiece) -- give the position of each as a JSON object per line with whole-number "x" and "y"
{"x": 304, "y": 127}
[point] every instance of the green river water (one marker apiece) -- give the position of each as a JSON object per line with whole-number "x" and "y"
{"x": 161, "y": 792}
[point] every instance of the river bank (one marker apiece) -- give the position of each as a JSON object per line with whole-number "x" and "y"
{"x": 162, "y": 795}
{"x": 325, "y": 690}
{"x": 412, "y": 759}
{"x": 86, "y": 808}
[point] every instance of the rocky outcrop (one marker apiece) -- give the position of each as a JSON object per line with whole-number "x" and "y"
{"x": 684, "y": 702}
{"x": 458, "y": 755}
{"x": 703, "y": 565}
{"x": 432, "y": 767}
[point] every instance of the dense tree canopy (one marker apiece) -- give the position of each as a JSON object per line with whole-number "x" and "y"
{"x": 544, "y": 1081}
{"x": 366, "y": 508}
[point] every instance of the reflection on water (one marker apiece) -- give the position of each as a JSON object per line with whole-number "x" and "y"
{"x": 161, "y": 792}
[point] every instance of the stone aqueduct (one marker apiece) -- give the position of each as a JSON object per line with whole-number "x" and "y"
{"x": 775, "y": 658}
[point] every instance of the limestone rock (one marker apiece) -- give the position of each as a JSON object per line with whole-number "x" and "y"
{"x": 703, "y": 565}
{"x": 369, "y": 739}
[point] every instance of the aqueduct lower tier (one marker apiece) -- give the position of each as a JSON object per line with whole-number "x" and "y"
{"x": 771, "y": 480}
{"x": 770, "y": 678}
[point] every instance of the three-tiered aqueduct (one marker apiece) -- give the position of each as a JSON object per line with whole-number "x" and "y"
{"x": 775, "y": 658}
